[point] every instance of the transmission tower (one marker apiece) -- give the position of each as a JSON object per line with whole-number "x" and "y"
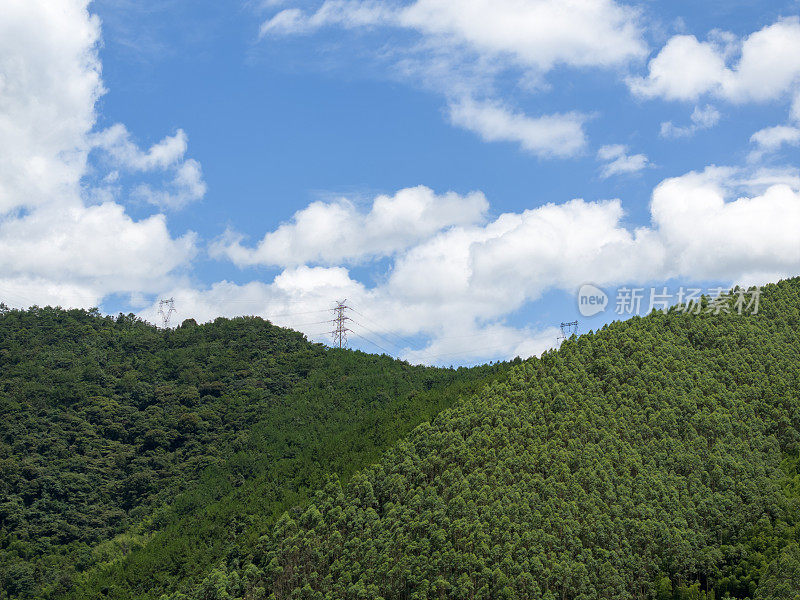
{"x": 169, "y": 305}
{"x": 340, "y": 333}
{"x": 568, "y": 329}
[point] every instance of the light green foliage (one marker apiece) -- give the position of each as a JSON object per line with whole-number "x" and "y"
{"x": 656, "y": 458}
{"x": 781, "y": 580}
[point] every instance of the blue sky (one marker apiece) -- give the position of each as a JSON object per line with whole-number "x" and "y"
{"x": 420, "y": 158}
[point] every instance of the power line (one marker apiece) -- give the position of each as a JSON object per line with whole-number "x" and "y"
{"x": 384, "y": 338}
{"x": 372, "y": 342}
{"x": 235, "y": 301}
{"x": 314, "y": 323}
{"x": 405, "y": 340}
{"x": 414, "y": 345}
{"x": 427, "y": 355}
{"x": 474, "y": 350}
{"x": 17, "y": 303}
{"x": 307, "y": 312}
{"x": 22, "y": 302}
{"x": 167, "y": 309}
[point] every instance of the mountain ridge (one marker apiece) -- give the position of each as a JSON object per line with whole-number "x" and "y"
{"x": 656, "y": 458}
{"x": 127, "y": 451}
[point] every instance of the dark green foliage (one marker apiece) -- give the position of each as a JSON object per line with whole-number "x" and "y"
{"x": 657, "y": 458}
{"x": 133, "y": 459}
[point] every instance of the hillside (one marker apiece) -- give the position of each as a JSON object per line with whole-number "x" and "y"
{"x": 132, "y": 458}
{"x": 656, "y": 458}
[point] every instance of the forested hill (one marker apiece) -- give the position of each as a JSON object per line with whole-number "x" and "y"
{"x": 656, "y": 458}
{"x": 132, "y": 459}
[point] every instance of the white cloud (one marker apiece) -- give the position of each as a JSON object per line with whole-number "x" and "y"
{"x": 771, "y": 139}
{"x": 168, "y": 155}
{"x": 556, "y": 246}
{"x": 702, "y": 118}
{"x": 58, "y": 245}
{"x": 455, "y": 274}
{"x": 761, "y": 178}
{"x": 795, "y": 111}
{"x": 288, "y": 21}
{"x": 116, "y": 142}
{"x": 24, "y": 291}
{"x": 98, "y": 247}
{"x": 344, "y": 13}
{"x": 536, "y": 34}
{"x": 331, "y": 232}
{"x": 460, "y": 49}
{"x": 706, "y": 117}
{"x": 299, "y": 297}
{"x": 486, "y": 342}
{"x": 767, "y": 68}
{"x": 186, "y": 186}
{"x": 49, "y": 81}
{"x": 700, "y": 231}
{"x": 618, "y": 161}
{"x": 558, "y": 135}
{"x": 747, "y": 239}
{"x": 683, "y": 70}
{"x": 458, "y": 286}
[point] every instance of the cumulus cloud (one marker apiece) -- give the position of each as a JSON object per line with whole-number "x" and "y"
{"x": 117, "y": 143}
{"x": 97, "y": 247}
{"x": 49, "y": 82}
{"x": 767, "y": 66}
{"x": 454, "y": 272}
{"x": 57, "y": 246}
{"x": 618, "y": 161}
{"x": 683, "y": 70}
{"x": 706, "y": 236}
{"x": 558, "y": 135}
{"x": 457, "y": 286}
{"x": 701, "y": 118}
{"x": 186, "y": 186}
{"x": 330, "y": 232}
{"x": 168, "y": 156}
{"x": 701, "y": 230}
{"x": 537, "y": 33}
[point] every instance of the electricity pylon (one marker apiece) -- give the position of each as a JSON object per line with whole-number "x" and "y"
{"x": 567, "y": 329}
{"x": 166, "y": 314}
{"x": 340, "y": 333}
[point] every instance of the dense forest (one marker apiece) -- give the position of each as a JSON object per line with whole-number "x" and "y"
{"x": 656, "y": 458}
{"x": 132, "y": 459}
